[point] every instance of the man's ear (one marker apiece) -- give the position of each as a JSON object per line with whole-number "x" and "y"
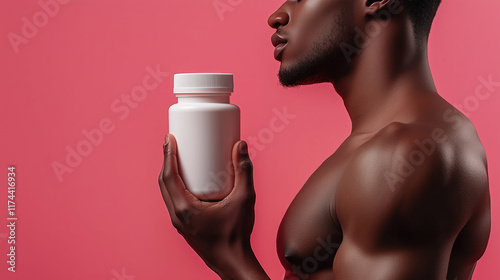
{"x": 374, "y": 6}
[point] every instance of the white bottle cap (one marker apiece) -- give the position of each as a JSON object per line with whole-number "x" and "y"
{"x": 203, "y": 83}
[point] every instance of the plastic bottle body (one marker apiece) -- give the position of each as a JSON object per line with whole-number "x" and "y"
{"x": 206, "y": 127}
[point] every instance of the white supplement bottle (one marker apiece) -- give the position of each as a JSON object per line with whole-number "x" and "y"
{"x": 206, "y": 127}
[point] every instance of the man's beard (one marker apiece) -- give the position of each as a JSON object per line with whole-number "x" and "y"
{"x": 321, "y": 64}
{"x": 303, "y": 72}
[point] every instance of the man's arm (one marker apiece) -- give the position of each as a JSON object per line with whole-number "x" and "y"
{"x": 398, "y": 212}
{"x": 218, "y": 231}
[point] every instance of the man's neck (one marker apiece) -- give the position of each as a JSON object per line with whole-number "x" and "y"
{"x": 385, "y": 79}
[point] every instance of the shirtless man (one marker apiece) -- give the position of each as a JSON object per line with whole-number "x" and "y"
{"x": 406, "y": 194}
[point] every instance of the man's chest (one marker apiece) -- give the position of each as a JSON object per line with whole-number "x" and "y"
{"x": 309, "y": 234}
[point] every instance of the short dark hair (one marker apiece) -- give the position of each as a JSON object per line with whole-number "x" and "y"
{"x": 422, "y": 14}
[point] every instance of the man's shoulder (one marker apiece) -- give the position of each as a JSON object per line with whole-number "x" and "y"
{"x": 438, "y": 145}
{"x": 404, "y": 148}
{"x": 405, "y": 137}
{"x": 414, "y": 175}
{"x": 416, "y": 158}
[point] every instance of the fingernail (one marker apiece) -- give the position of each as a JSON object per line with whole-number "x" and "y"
{"x": 243, "y": 148}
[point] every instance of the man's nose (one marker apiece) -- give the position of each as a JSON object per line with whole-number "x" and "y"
{"x": 278, "y": 18}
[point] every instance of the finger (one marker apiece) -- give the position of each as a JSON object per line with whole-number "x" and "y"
{"x": 164, "y": 193}
{"x": 243, "y": 169}
{"x": 174, "y": 185}
{"x": 168, "y": 202}
{"x": 179, "y": 219}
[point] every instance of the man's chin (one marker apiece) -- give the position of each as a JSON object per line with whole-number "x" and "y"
{"x": 287, "y": 83}
{"x": 304, "y": 73}
{"x": 293, "y": 79}
{"x": 294, "y": 83}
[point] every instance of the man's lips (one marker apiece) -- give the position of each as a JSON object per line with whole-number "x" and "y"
{"x": 278, "y": 50}
{"x": 279, "y": 43}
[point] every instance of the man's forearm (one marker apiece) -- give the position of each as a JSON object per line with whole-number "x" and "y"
{"x": 239, "y": 266}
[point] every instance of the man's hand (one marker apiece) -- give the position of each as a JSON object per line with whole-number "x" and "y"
{"x": 218, "y": 231}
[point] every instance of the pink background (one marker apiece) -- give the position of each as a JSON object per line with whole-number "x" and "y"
{"x": 106, "y": 219}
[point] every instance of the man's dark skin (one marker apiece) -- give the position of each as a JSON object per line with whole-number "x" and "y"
{"x": 405, "y": 196}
